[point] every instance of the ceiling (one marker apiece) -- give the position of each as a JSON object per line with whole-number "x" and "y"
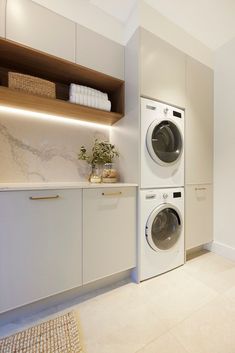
{"x": 120, "y": 9}
{"x": 210, "y": 21}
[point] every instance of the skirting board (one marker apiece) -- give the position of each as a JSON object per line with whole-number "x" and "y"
{"x": 221, "y": 249}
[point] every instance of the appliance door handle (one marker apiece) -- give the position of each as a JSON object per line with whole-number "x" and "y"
{"x": 38, "y": 198}
{"x": 200, "y": 189}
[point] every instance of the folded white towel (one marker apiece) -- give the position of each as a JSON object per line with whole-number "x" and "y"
{"x": 74, "y": 89}
{"x": 90, "y": 101}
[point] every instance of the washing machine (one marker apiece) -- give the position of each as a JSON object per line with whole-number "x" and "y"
{"x": 162, "y": 145}
{"x": 161, "y": 231}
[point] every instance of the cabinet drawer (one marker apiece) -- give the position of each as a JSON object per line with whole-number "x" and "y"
{"x": 109, "y": 231}
{"x": 199, "y": 215}
{"x": 40, "y": 245}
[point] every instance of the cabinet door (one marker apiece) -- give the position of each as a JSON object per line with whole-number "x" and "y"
{"x": 37, "y": 27}
{"x": 2, "y": 18}
{"x": 40, "y": 245}
{"x": 199, "y": 215}
{"x": 109, "y": 232}
{"x": 99, "y": 53}
{"x": 199, "y": 123}
{"x": 162, "y": 70}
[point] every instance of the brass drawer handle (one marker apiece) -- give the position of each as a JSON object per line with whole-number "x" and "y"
{"x": 111, "y": 193}
{"x": 34, "y": 198}
{"x": 200, "y": 189}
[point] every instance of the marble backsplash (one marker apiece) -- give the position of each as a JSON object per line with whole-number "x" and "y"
{"x": 35, "y": 150}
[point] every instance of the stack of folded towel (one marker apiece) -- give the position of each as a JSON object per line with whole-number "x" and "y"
{"x": 88, "y": 96}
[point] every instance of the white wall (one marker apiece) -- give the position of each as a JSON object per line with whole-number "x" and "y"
{"x": 224, "y": 150}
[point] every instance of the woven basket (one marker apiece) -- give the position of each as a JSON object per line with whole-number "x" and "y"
{"x": 31, "y": 84}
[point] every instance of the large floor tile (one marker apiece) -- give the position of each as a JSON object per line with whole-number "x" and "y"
{"x": 214, "y": 271}
{"x": 164, "y": 344}
{"x": 176, "y": 295}
{"x": 120, "y": 321}
{"x": 210, "y": 329}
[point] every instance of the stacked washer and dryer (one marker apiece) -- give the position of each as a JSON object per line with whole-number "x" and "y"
{"x": 161, "y": 193}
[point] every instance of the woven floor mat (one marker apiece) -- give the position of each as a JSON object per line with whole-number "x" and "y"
{"x": 59, "y": 335}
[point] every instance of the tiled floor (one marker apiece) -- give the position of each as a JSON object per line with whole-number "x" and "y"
{"x": 188, "y": 310}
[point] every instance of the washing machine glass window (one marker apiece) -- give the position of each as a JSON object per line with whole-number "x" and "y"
{"x": 164, "y": 142}
{"x": 163, "y": 228}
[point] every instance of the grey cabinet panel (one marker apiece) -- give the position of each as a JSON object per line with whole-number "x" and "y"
{"x": 2, "y": 18}
{"x": 199, "y": 215}
{"x": 37, "y": 27}
{"x": 40, "y": 245}
{"x": 99, "y": 53}
{"x": 199, "y": 123}
{"x": 162, "y": 70}
{"x": 109, "y": 231}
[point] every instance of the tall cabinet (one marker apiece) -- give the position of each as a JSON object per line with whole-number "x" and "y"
{"x": 157, "y": 70}
{"x": 199, "y": 154}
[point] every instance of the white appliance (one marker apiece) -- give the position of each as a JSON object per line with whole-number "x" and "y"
{"x": 161, "y": 231}
{"x": 162, "y": 145}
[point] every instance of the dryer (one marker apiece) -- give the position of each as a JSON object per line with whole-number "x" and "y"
{"x": 162, "y": 145}
{"x": 161, "y": 231}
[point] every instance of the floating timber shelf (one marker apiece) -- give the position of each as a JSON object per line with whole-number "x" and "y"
{"x": 19, "y": 58}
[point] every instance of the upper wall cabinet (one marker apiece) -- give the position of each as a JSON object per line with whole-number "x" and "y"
{"x": 2, "y": 17}
{"x": 99, "y": 53}
{"x": 162, "y": 70}
{"x": 199, "y": 123}
{"x": 37, "y": 27}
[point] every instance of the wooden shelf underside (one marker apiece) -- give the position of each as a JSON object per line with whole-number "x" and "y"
{"x": 21, "y": 100}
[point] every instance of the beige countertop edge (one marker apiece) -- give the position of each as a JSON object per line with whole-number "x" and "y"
{"x": 60, "y": 185}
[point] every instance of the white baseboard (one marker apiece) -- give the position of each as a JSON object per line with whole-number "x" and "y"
{"x": 221, "y": 249}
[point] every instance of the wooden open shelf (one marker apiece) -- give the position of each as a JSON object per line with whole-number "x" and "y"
{"x": 19, "y": 58}
{"x": 21, "y": 100}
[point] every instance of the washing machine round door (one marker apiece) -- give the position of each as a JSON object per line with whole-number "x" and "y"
{"x": 164, "y": 142}
{"x": 163, "y": 228}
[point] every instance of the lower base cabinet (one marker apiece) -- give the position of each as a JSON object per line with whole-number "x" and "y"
{"x": 109, "y": 231}
{"x": 199, "y": 215}
{"x": 40, "y": 245}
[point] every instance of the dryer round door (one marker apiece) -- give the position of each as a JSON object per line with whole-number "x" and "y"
{"x": 164, "y": 142}
{"x": 163, "y": 228}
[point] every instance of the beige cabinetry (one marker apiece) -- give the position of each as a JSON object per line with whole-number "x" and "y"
{"x": 199, "y": 123}
{"x": 199, "y": 215}
{"x": 40, "y": 245}
{"x": 199, "y": 154}
{"x": 37, "y": 27}
{"x": 162, "y": 69}
{"x": 2, "y": 18}
{"x": 99, "y": 53}
{"x": 109, "y": 231}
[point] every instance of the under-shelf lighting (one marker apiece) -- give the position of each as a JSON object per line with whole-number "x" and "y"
{"x": 50, "y": 117}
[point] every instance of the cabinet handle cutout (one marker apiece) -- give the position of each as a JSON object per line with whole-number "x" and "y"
{"x": 200, "y": 189}
{"x": 111, "y": 193}
{"x": 34, "y": 198}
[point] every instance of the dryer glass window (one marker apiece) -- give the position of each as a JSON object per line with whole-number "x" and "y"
{"x": 167, "y": 141}
{"x": 165, "y": 229}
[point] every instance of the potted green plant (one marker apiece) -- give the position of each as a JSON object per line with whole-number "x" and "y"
{"x": 101, "y": 155}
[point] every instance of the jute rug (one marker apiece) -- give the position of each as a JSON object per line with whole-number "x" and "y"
{"x": 59, "y": 335}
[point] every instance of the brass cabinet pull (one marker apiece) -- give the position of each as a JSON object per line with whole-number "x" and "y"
{"x": 111, "y": 193}
{"x": 34, "y": 198}
{"x": 200, "y": 189}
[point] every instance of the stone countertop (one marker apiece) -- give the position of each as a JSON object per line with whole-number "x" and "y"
{"x": 60, "y": 185}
